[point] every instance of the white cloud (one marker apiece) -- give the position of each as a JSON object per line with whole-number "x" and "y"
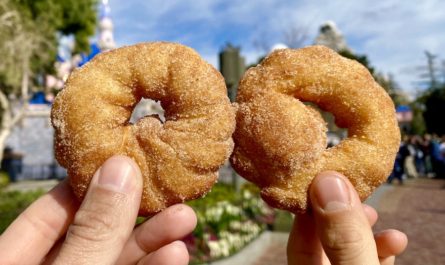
{"x": 392, "y": 33}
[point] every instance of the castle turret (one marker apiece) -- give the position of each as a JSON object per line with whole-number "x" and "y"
{"x": 106, "y": 40}
{"x": 232, "y": 67}
{"x": 331, "y": 37}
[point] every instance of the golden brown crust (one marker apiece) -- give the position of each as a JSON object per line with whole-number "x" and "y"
{"x": 280, "y": 143}
{"x": 178, "y": 159}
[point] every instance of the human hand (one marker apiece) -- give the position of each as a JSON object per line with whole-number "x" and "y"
{"x": 338, "y": 230}
{"x": 57, "y": 230}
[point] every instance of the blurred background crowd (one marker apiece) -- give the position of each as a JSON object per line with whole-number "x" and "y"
{"x": 420, "y": 156}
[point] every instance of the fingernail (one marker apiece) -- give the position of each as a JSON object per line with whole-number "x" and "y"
{"x": 118, "y": 174}
{"x": 331, "y": 192}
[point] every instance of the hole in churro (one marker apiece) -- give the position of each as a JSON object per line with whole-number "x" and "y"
{"x": 147, "y": 107}
{"x": 334, "y": 133}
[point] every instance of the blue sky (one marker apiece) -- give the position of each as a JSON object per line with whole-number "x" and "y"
{"x": 393, "y": 34}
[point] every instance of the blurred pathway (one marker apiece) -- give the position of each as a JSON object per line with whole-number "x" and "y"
{"x": 418, "y": 209}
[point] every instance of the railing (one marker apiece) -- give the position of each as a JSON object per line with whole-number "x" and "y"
{"x": 55, "y": 171}
{"x": 39, "y": 172}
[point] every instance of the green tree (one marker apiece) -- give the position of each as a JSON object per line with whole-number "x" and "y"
{"x": 431, "y": 102}
{"x": 418, "y": 125}
{"x": 434, "y": 103}
{"x": 63, "y": 16}
{"x": 385, "y": 81}
{"x": 390, "y": 85}
{"x": 29, "y": 31}
{"x": 363, "y": 59}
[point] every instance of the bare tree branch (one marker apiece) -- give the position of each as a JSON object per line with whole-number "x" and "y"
{"x": 294, "y": 37}
{"x": 262, "y": 42}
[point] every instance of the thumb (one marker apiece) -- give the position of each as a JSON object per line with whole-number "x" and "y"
{"x": 341, "y": 224}
{"x": 107, "y": 215}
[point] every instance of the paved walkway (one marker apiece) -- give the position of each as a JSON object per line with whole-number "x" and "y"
{"x": 268, "y": 248}
{"x": 416, "y": 208}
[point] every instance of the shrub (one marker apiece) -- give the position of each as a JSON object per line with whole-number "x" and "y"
{"x": 4, "y": 179}
{"x": 12, "y": 203}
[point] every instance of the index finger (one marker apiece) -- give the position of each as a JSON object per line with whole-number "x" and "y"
{"x": 31, "y": 236}
{"x": 303, "y": 246}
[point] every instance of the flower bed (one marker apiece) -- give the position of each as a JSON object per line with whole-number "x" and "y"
{"x": 227, "y": 221}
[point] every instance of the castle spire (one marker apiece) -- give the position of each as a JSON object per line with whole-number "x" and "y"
{"x": 331, "y": 37}
{"x": 106, "y": 40}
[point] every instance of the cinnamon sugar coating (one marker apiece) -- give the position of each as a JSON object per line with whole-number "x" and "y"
{"x": 280, "y": 143}
{"x": 179, "y": 159}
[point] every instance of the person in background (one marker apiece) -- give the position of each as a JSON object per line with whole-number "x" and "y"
{"x": 399, "y": 164}
{"x": 410, "y": 166}
{"x": 11, "y": 163}
{"x": 442, "y": 148}
{"x": 426, "y": 147}
{"x": 437, "y": 160}
{"x": 419, "y": 159}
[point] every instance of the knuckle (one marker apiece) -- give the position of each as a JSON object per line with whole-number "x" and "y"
{"x": 99, "y": 216}
{"x": 344, "y": 239}
{"x": 42, "y": 225}
{"x": 82, "y": 233}
{"x": 91, "y": 226}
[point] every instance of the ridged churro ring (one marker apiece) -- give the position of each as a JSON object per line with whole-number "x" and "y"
{"x": 179, "y": 158}
{"x": 280, "y": 142}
